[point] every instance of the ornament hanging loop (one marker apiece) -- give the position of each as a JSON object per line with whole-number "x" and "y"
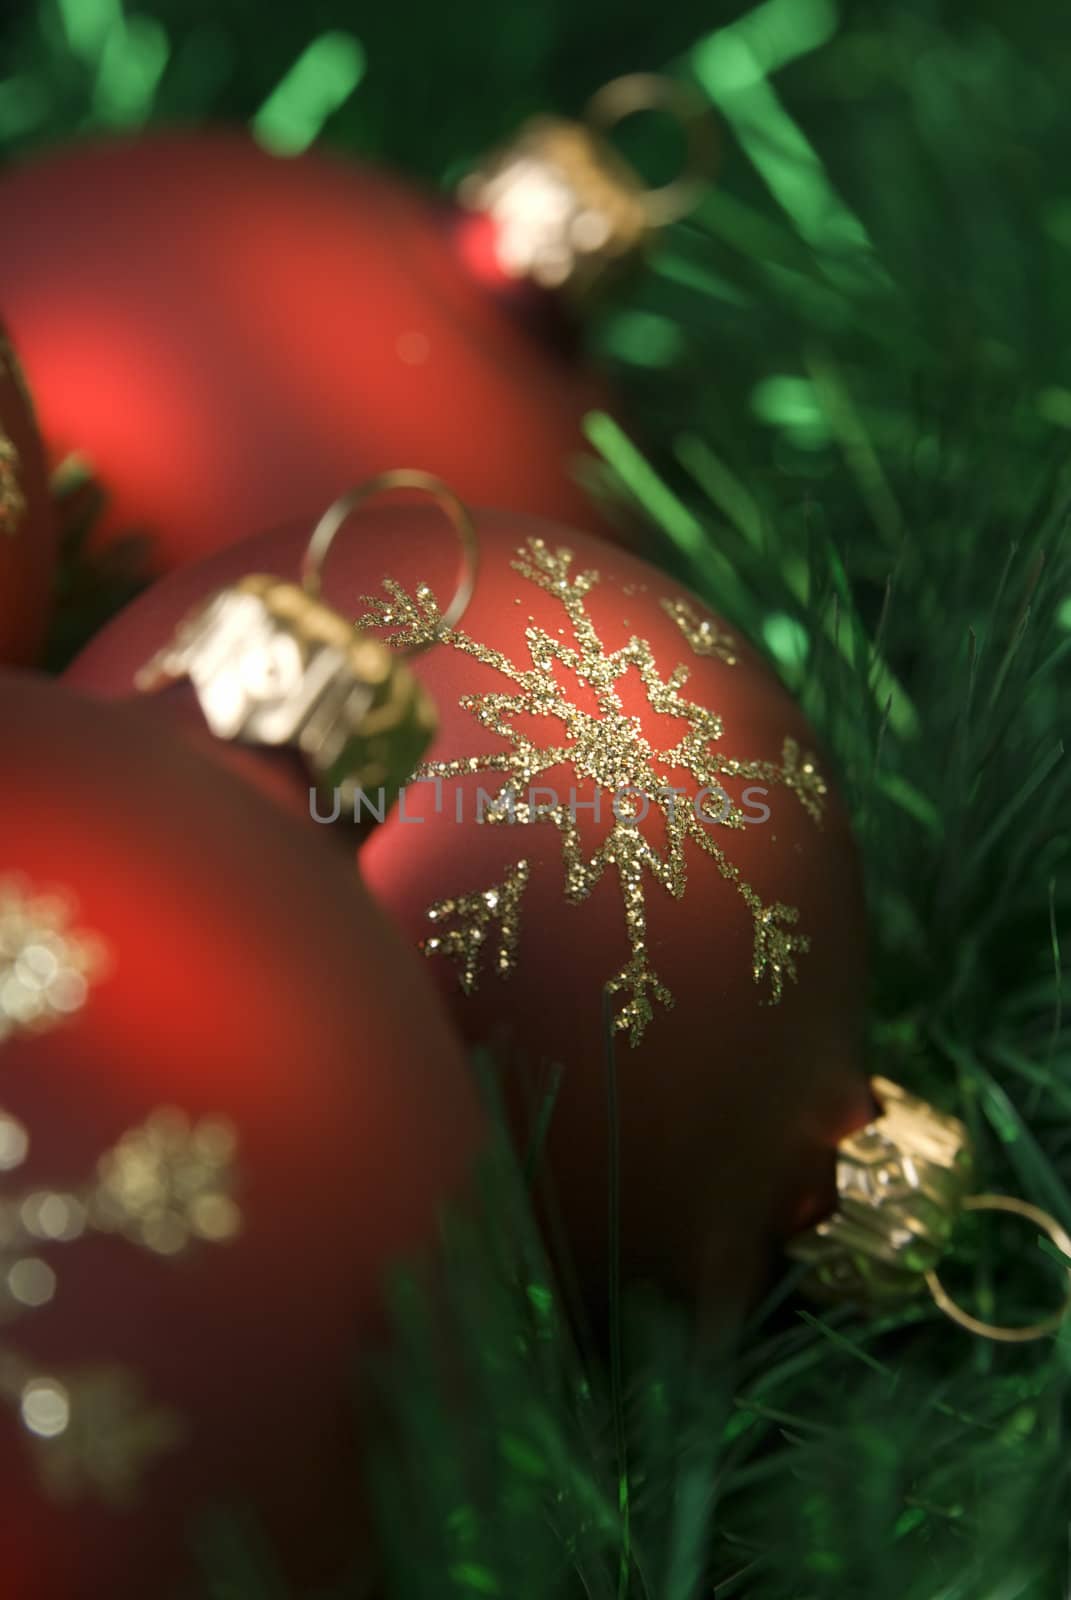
{"x": 337, "y": 515}
{"x": 1026, "y": 1333}
{"x": 567, "y": 211}
{"x": 644, "y": 91}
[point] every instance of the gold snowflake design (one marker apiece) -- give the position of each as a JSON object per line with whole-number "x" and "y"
{"x": 164, "y": 1186}
{"x": 12, "y": 498}
{"x": 46, "y": 966}
{"x": 609, "y": 749}
{"x": 92, "y": 1433}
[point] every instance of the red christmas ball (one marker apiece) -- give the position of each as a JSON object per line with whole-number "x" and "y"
{"x": 228, "y": 1101}
{"x": 718, "y": 931}
{"x": 27, "y": 535}
{"x": 231, "y": 339}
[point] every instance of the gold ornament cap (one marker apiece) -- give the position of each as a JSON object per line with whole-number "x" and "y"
{"x": 568, "y": 210}
{"x": 271, "y": 664}
{"x": 903, "y": 1182}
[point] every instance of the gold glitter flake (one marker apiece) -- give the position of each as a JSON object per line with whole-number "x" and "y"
{"x": 163, "y": 1187}
{"x": 93, "y": 1434}
{"x": 12, "y": 498}
{"x": 476, "y": 917}
{"x": 702, "y": 633}
{"x": 46, "y": 970}
{"x": 168, "y": 1183}
{"x": 608, "y": 748}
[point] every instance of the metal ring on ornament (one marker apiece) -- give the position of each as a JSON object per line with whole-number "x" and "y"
{"x": 989, "y": 1330}
{"x": 331, "y": 523}
{"x": 645, "y": 91}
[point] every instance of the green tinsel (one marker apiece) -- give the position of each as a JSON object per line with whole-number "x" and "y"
{"x": 851, "y": 372}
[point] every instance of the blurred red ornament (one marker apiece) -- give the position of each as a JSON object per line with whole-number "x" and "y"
{"x": 230, "y": 339}
{"x": 722, "y": 926}
{"x": 228, "y": 1101}
{"x": 27, "y": 535}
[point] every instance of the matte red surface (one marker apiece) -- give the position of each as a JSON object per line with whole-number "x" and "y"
{"x": 232, "y": 339}
{"x": 28, "y": 557}
{"x": 730, "y": 1108}
{"x": 249, "y": 978}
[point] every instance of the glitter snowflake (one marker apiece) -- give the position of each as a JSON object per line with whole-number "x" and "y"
{"x": 165, "y": 1186}
{"x": 12, "y": 498}
{"x": 608, "y": 748}
{"x": 46, "y": 966}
